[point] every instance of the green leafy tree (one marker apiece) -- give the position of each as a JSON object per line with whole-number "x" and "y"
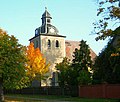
{"x": 84, "y": 77}
{"x": 63, "y": 72}
{"x": 106, "y": 68}
{"x": 109, "y": 18}
{"x": 81, "y": 62}
{"x": 12, "y": 62}
{"x": 72, "y": 74}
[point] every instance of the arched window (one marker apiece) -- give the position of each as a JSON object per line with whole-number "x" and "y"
{"x": 57, "y": 43}
{"x": 48, "y": 20}
{"x": 49, "y": 43}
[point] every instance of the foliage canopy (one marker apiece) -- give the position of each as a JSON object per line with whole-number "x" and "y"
{"x": 76, "y": 72}
{"x": 63, "y": 72}
{"x": 36, "y": 66}
{"x": 81, "y": 62}
{"x": 109, "y": 14}
{"x": 106, "y": 68}
{"x": 12, "y": 61}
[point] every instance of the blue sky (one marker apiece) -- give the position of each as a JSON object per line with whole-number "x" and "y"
{"x": 73, "y": 18}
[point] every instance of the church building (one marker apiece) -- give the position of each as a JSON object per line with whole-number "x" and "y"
{"x": 53, "y": 46}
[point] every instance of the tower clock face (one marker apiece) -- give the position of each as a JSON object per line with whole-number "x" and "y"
{"x": 52, "y": 30}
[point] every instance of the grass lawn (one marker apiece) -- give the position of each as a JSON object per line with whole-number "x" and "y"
{"x": 50, "y": 98}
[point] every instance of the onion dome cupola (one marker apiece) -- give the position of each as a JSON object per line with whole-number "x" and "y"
{"x": 46, "y": 27}
{"x": 46, "y": 17}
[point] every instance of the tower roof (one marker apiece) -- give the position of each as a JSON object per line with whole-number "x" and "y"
{"x": 46, "y": 14}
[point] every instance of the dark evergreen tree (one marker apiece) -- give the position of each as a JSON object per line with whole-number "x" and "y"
{"x": 106, "y": 68}
{"x": 81, "y": 62}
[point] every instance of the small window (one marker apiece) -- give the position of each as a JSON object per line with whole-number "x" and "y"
{"x": 57, "y": 43}
{"x": 48, "y": 20}
{"x": 36, "y": 32}
{"x": 49, "y": 43}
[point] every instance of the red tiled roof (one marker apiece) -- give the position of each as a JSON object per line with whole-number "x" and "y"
{"x": 71, "y": 46}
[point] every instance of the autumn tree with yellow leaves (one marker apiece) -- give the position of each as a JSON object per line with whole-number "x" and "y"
{"x": 36, "y": 66}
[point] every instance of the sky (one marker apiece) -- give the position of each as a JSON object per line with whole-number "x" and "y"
{"x": 73, "y": 18}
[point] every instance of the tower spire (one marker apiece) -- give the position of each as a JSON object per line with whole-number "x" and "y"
{"x": 45, "y": 8}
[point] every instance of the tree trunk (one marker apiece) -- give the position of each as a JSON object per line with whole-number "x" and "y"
{"x": 1, "y": 91}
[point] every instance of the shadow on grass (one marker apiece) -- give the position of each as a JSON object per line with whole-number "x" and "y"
{"x": 50, "y": 98}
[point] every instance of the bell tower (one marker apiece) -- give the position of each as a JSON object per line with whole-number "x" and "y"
{"x": 51, "y": 44}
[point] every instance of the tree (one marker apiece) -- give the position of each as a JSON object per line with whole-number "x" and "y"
{"x": 84, "y": 77}
{"x": 75, "y": 73}
{"x": 81, "y": 62}
{"x": 36, "y": 66}
{"x": 106, "y": 68}
{"x": 109, "y": 14}
{"x": 12, "y": 63}
{"x": 64, "y": 77}
{"x": 63, "y": 70}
